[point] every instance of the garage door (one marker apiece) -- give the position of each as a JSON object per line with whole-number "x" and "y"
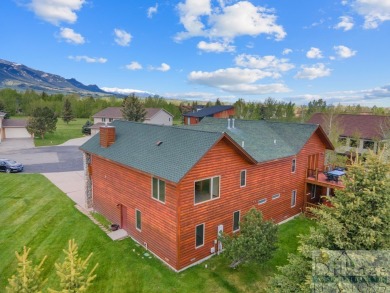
{"x": 16, "y": 133}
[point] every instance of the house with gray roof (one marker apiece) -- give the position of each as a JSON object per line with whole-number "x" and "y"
{"x": 174, "y": 189}
{"x": 218, "y": 111}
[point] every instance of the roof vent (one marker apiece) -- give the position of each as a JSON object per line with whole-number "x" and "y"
{"x": 274, "y": 141}
{"x": 232, "y": 122}
{"x": 243, "y": 144}
{"x": 228, "y": 123}
{"x": 159, "y": 143}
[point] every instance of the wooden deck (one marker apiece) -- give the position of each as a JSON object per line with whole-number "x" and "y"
{"x": 319, "y": 178}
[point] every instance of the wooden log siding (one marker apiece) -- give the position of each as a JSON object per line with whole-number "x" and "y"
{"x": 114, "y": 184}
{"x": 224, "y": 114}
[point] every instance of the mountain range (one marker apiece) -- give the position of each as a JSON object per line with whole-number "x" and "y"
{"x": 20, "y": 77}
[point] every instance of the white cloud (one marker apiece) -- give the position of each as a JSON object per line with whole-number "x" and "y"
{"x": 314, "y": 53}
{"x": 215, "y": 47}
{"x": 121, "y": 90}
{"x": 134, "y": 66}
{"x": 267, "y": 63}
{"x": 346, "y": 23}
{"x": 123, "y": 38}
{"x": 344, "y": 52}
{"x": 163, "y": 67}
{"x": 313, "y": 72}
{"x": 152, "y": 10}
{"x": 199, "y": 18}
{"x": 70, "y": 36}
{"x": 286, "y": 51}
{"x": 88, "y": 59}
{"x": 374, "y": 12}
{"x": 56, "y": 11}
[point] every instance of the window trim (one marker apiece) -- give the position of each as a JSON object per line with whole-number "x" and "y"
{"x": 262, "y": 201}
{"x": 275, "y": 196}
{"x": 294, "y": 165}
{"x": 211, "y": 184}
{"x": 158, "y": 189}
{"x": 243, "y": 172}
{"x": 140, "y": 220}
{"x": 203, "y": 236}
{"x": 239, "y": 216}
{"x": 294, "y": 196}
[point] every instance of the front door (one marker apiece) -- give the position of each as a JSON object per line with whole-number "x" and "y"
{"x": 124, "y": 221}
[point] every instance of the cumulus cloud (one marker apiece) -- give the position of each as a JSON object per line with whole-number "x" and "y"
{"x": 70, "y": 36}
{"x": 225, "y": 21}
{"x": 344, "y": 52}
{"x": 267, "y": 63}
{"x": 313, "y": 71}
{"x": 88, "y": 59}
{"x": 346, "y": 23}
{"x": 286, "y": 51}
{"x": 152, "y": 10}
{"x": 122, "y": 38}
{"x": 163, "y": 67}
{"x": 215, "y": 47}
{"x": 56, "y": 11}
{"x": 314, "y": 53}
{"x": 374, "y": 12}
{"x": 134, "y": 66}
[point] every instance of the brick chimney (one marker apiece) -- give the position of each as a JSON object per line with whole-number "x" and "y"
{"x": 107, "y": 135}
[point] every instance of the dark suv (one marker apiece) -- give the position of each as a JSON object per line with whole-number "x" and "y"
{"x": 10, "y": 166}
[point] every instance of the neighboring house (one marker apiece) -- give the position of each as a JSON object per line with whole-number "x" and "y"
{"x": 214, "y": 111}
{"x": 13, "y": 128}
{"x": 357, "y": 132}
{"x": 174, "y": 189}
{"x": 107, "y": 115}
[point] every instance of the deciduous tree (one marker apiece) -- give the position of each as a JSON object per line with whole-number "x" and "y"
{"x": 43, "y": 120}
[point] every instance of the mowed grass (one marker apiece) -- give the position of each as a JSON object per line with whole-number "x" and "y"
{"x": 62, "y": 133}
{"x": 35, "y": 213}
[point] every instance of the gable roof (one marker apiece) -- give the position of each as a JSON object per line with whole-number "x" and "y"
{"x": 208, "y": 111}
{"x": 366, "y": 126}
{"x": 265, "y": 140}
{"x": 116, "y": 113}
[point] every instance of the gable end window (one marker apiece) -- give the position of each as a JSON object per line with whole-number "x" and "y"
{"x": 236, "y": 221}
{"x": 206, "y": 189}
{"x": 199, "y": 235}
{"x": 243, "y": 178}
{"x": 293, "y": 165}
{"x": 158, "y": 189}
{"x": 293, "y": 198}
{"x": 138, "y": 221}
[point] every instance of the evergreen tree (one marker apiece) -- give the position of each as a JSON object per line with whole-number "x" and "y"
{"x": 358, "y": 220}
{"x": 67, "y": 112}
{"x": 43, "y": 120}
{"x": 85, "y": 129}
{"x": 255, "y": 242}
{"x": 73, "y": 274}
{"x": 133, "y": 109}
{"x": 218, "y": 102}
{"x": 28, "y": 277}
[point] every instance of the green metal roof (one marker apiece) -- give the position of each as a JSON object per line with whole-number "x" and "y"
{"x": 263, "y": 140}
{"x": 136, "y": 146}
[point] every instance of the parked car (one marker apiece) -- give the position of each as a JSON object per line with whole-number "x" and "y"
{"x": 10, "y": 166}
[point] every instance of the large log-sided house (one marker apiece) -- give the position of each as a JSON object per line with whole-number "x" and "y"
{"x": 173, "y": 189}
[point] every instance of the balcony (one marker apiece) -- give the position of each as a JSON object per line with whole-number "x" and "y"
{"x": 319, "y": 177}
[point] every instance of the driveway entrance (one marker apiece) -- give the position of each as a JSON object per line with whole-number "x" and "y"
{"x": 12, "y": 144}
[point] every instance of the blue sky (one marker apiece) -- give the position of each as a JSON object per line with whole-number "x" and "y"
{"x": 200, "y": 49}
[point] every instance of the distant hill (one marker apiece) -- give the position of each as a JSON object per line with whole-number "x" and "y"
{"x": 20, "y": 77}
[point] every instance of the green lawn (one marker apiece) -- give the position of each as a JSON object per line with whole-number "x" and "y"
{"x": 35, "y": 213}
{"x": 63, "y": 133}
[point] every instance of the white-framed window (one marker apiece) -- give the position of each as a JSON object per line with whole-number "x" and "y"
{"x": 138, "y": 220}
{"x": 293, "y": 165}
{"x": 262, "y": 201}
{"x": 275, "y": 196}
{"x": 206, "y": 189}
{"x": 110, "y": 119}
{"x": 236, "y": 221}
{"x": 158, "y": 189}
{"x": 243, "y": 178}
{"x": 199, "y": 235}
{"x": 293, "y": 198}
{"x": 103, "y": 119}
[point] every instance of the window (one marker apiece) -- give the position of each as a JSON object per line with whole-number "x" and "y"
{"x": 262, "y": 201}
{"x": 110, "y": 119}
{"x": 236, "y": 221}
{"x": 368, "y": 144}
{"x": 158, "y": 189}
{"x": 342, "y": 140}
{"x": 103, "y": 119}
{"x": 199, "y": 235}
{"x": 243, "y": 178}
{"x": 293, "y": 165}
{"x": 313, "y": 191}
{"x": 353, "y": 143}
{"x": 275, "y": 196}
{"x": 138, "y": 223}
{"x": 293, "y": 198}
{"x": 206, "y": 189}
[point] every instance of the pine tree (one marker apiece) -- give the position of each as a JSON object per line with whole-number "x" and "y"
{"x": 133, "y": 109}
{"x": 67, "y": 112}
{"x": 73, "y": 274}
{"x": 28, "y": 277}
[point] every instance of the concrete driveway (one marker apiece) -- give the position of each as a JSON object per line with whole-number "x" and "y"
{"x": 12, "y": 144}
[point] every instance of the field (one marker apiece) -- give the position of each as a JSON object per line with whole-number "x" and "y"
{"x": 35, "y": 213}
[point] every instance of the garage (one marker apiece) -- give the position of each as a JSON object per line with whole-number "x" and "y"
{"x": 15, "y": 128}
